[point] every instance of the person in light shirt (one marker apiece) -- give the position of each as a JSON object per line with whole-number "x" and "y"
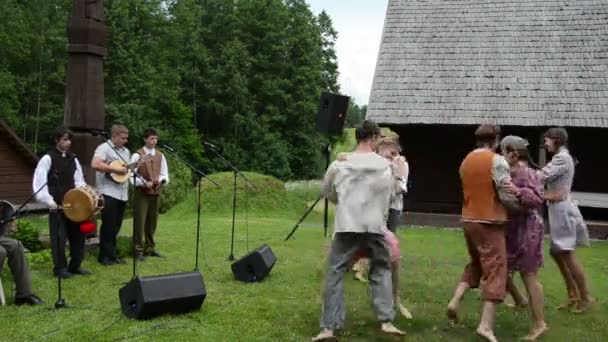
{"x": 60, "y": 170}
{"x": 154, "y": 175}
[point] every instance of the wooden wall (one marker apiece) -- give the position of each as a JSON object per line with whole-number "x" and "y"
{"x": 16, "y": 173}
{"x": 436, "y": 151}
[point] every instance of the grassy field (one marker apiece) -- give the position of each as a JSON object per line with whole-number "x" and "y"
{"x": 285, "y": 307}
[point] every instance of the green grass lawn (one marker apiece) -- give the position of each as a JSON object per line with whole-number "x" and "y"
{"x": 285, "y": 306}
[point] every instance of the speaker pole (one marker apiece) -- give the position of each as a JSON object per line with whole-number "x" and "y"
{"x": 326, "y": 151}
{"x": 231, "y": 256}
{"x": 326, "y": 209}
{"x": 198, "y": 220}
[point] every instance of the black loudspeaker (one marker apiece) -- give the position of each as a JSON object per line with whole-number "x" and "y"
{"x": 254, "y": 266}
{"x": 332, "y": 113}
{"x": 148, "y": 297}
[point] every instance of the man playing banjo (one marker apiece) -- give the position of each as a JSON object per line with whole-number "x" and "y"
{"x": 61, "y": 169}
{"x": 115, "y": 193}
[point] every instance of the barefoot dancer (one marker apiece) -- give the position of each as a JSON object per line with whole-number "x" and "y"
{"x": 567, "y": 227}
{"x": 361, "y": 187}
{"x": 525, "y": 231}
{"x": 482, "y": 172}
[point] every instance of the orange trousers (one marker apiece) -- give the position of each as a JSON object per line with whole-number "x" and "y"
{"x": 488, "y": 266}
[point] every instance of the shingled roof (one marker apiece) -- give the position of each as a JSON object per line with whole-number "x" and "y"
{"x": 511, "y": 62}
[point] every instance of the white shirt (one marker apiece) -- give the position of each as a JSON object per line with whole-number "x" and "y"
{"x": 106, "y": 186}
{"x": 40, "y": 179}
{"x": 164, "y": 169}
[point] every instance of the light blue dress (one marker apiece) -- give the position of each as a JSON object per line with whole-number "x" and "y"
{"x": 566, "y": 224}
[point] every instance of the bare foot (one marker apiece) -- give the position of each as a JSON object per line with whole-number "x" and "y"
{"x": 325, "y": 335}
{"x": 518, "y": 306}
{"x": 390, "y": 329}
{"x": 571, "y": 303}
{"x": 452, "y": 313}
{"x": 359, "y": 276}
{"x": 487, "y": 334}
{"x": 536, "y": 332}
{"x": 583, "y": 306}
{"x": 404, "y": 311}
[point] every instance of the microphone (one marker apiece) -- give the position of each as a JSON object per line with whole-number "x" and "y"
{"x": 209, "y": 144}
{"x": 167, "y": 147}
{"x": 99, "y": 132}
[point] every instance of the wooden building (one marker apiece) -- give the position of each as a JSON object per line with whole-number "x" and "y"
{"x": 17, "y": 165}
{"x": 446, "y": 66}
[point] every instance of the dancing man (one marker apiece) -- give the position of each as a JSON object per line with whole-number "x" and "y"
{"x": 361, "y": 188}
{"x": 483, "y": 173}
{"x": 147, "y": 195}
{"x": 566, "y": 224}
{"x": 115, "y": 194}
{"x": 61, "y": 171}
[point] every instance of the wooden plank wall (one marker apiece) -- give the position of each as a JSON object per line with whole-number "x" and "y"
{"x": 15, "y": 174}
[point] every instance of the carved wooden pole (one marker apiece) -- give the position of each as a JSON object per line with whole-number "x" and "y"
{"x": 84, "y": 94}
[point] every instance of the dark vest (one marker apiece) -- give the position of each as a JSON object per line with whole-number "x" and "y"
{"x": 61, "y": 174}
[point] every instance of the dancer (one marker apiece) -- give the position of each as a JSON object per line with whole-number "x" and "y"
{"x": 389, "y": 149}
{"x": 484, "y": 173}
{"x": 525, "y": 232}
{"x": 567, "y": 227}
{"x": 361, "y": 189}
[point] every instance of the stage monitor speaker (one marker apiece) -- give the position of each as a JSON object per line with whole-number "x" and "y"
{"x": 332, "y": 113}
{"x": 254, "y": 266}
{"x": 148, "y": 297}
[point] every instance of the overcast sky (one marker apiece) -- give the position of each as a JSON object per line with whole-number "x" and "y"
{"x": 359, "y": 25}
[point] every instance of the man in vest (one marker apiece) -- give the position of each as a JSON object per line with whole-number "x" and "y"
{"x": 485, "y": 181}
{"x": 147, "y": 194}
{"x": 60, "y": 170}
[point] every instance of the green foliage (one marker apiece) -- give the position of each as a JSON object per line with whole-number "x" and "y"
{"x": 245, "y": 74}
{"x": 180, "y": 184}
{"x": 29, "y": 235}
{"x": 39, "y": 259}
{"x": 270, "y": 195}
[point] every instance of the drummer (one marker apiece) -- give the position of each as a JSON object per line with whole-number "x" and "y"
{"x": 57, "y": 172}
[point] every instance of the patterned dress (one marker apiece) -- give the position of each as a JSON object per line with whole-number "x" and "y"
{"x": 526, "y": 227}
{"x": 566, "y": 224}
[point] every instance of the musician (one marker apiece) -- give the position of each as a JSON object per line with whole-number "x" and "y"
{"x": 13, "y": 250}
{"x": 115, "y": 194}
{"x": 61, "y": 169}
{"x": 147, "y": 195}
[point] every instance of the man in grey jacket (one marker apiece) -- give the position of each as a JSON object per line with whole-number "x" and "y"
{"x": 361, "y": 187}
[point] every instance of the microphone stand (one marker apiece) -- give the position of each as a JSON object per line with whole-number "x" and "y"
{"x": 200, "y": 175}
{"x": 236, "y": 172}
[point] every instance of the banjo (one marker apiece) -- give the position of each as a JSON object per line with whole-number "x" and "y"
{"x": 119, "y": 163}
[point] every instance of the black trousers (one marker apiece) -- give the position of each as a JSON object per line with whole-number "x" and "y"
{"x": 112, "y": 215}
{"x": 61, "y": 230}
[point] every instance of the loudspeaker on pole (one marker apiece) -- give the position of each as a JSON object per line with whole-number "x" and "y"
{"x": 332, "y": 113}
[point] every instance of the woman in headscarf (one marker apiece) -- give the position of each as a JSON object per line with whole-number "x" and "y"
{"x": 525, "y": 230}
